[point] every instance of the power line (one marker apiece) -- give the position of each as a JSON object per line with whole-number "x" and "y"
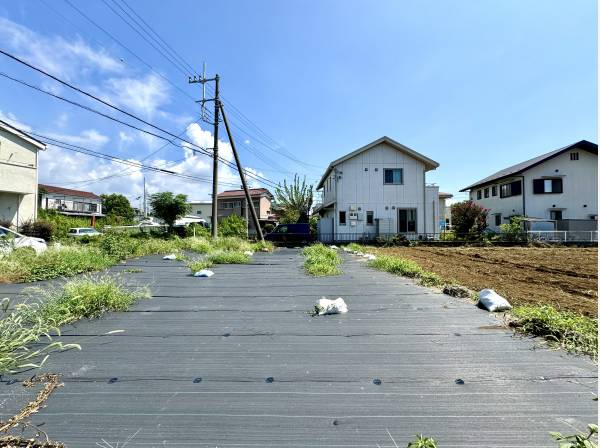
{"x": 77, "y": 89}
{"x": 168, "y": 48}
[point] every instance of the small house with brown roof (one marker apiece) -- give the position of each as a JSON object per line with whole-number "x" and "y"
{"x": 70, "y": 202}
{"x": 233, "y": 202}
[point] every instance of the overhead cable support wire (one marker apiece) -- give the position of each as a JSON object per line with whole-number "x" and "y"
{"x": 122, "y": 45}
{"x": 174, "y": 62}
{"x": 129, "y": 114}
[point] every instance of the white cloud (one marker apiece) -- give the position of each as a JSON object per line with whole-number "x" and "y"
{"x": 61, "y": 57}
{"x": 142, "y": 95}
{"x": 88, "y": 138}
{"x": 14, "y": 121}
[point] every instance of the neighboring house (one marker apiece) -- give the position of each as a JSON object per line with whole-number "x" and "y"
{"x": 201, "y": 209}
{"x": 18, "y": 175}
{"x": 561, "y": 186}
{"x": 378, "y": 190}
{"x": 445, "y": 215}
{"x": 70, "y": 202}
{"x": 233, "y": 202}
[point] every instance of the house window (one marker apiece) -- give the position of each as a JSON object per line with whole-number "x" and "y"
{"x": 486, "y": 193}
{"x": 556, "y": 214}
{"x": 478, "y": 194}
{"x": 199, "y": 212}
{"x": 494, "y": 190}
{"x": 511, "y": 189}
{"x": 574, "y": 156}
{"x": 407, "y": 220}
{"x": 369, "y": 218}
{"x": 392, "y": 176}
{"x": 498, "y": 219}
{"x": 342, "y": 219}
{"x": 542, "y": 186}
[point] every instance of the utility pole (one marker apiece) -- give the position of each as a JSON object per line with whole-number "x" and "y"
{"x": 144, "y": 196}
{"x": 249, "y": 202}
{"x": 215, "y": 183}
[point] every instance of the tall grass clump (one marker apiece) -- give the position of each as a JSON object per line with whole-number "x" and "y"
{"x": 198, "y": 244}
{"x": 198, "y": 265}
{"x": 229, "y": 257}
{"x": 24, "y": 265}
{"x": 262, "y": 246}
{"x": 354, "y": 247}
{"x": 407, "y": 268}
{"x": 571, "y": 331}
{"x": 321, "y": 260}
{"x": 231, "y": 243}
{"x": 41, "y": 318}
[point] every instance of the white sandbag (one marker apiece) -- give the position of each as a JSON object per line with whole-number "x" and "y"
{"x": 204, "y": 273}
{"x": 334, "y": 247}
{"x": 248, "y": 252}
{"x": 170, "y": 257}
{"x": 492, "y": 301}
{"x": 369, "y": 256}
{"x": 360, "y": 254}
{"x": 345, "y": 249}
{"x": 337, "y": 306}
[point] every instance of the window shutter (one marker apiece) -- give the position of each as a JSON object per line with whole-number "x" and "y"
{"x": 515, "y": 188}
{"x": 538, "y": 186}
{"x": 557, "y": 186}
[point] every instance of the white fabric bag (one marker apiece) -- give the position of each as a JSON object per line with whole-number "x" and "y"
{"x": 492, "y": 301}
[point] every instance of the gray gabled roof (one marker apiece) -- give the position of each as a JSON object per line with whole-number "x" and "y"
{"x": 429, "y": 163}
{"x": 520, "y": 167}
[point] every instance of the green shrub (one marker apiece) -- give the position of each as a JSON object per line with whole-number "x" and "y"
{"x": 229, "y": 257}
{"x": 233, "y": 225}
{"x": 572, "y": 331}
{"x": 321, "y": 260}
{"x": 354, "y": 247}
{"x": 268, "y": 228}
{"x": 37, "y": 229}
{"x": 396, "y": 265}
{"x": 118, "y": 245}
{"x": 197, "y": 230}
{"x": 264, "y": 246}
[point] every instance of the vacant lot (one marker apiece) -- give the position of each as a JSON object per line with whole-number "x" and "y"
{"x": 564, "y": 277}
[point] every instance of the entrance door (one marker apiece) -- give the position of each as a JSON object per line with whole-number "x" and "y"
{"x": 407, "y": 220}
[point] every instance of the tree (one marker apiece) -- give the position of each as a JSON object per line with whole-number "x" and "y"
{"x": 117, "y": 205}
{"x": 169, "y": 207}
{"x": 468, "y": 218}
{"x": 293, "y": 202}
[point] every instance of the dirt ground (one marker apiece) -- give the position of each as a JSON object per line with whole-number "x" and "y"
{"x": 565, "y": 277}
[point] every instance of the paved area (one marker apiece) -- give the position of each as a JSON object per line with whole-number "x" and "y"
{"x": 236, "y": 361}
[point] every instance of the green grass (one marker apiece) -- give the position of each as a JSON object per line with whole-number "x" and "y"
{"x": 355, "y": 247}
{"x": 321, "y": 260}
{"x": 262, "y": 246}
{"x": 565, "y": 329}
{"x": 49, "y": 309}
{"x": 76, "y": 256}
{"x": 228, "y": 257}
{"x": 198, "y": 265}
{"x": 407, "y": 268}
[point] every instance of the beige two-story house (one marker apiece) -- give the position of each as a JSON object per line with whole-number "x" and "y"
{"x": 233, "y": 202}
{"x": 18, "y": 175}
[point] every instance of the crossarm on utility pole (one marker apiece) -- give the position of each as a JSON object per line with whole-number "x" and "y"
{"x": 242, "y": 176}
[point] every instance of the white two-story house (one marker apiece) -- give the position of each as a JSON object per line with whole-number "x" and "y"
{"x": 378, "y": 190}
{"x": 560, "y": 186}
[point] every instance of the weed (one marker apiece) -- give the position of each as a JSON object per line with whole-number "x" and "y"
{"x": 571, "y": 331}
{"x": 577, "y": 440}
{"x": 396, "y": 265}
{"x": 354, "y": 247}
{"x": 321, "y": 260}
{"x": 422, "y": 442}
{"x": 198, "y": 245}
{"x": 198, "y": 265}
{"x": 49, "y": 309}
{"x": 231, "y": 243}
{"x": 262, "y": 246}
{"x": 431, "y": 279}
{"x": 133, "y": 270}
{"x": 229, "y": 257}
{"x": 315, "y": 311}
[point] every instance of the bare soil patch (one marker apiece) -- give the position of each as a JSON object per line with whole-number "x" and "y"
{"x": 564, "y": 277}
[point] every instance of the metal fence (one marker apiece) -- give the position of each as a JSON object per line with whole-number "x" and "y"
{"x": 556, "y": 236}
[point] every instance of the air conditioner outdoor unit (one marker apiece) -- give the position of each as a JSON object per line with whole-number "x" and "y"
{"x": 353, "y": 215}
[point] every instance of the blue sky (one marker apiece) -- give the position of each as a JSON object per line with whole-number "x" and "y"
{"x": 474, "y": 85}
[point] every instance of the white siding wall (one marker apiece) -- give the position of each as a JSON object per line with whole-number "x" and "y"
{"x": 18, "y": 179}
{"x": 580, "y": 187}
{"x": 360, "y": 184}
